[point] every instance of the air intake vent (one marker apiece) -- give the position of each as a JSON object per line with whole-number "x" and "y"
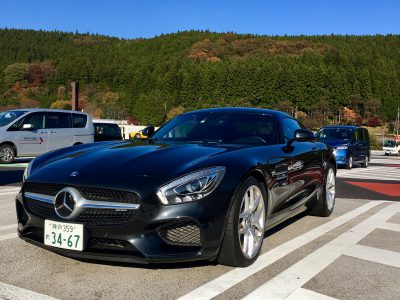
{"x": 181, "y": 233}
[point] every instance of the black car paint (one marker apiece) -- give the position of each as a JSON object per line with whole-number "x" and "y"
{"x": 143, "y": 166}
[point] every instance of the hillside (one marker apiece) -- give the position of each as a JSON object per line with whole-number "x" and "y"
{"x": 149, "y": 80}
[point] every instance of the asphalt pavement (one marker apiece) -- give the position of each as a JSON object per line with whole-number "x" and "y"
{"x": 353, "y": 254}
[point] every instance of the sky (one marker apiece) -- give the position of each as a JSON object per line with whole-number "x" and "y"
{"x": 149, "y": 18}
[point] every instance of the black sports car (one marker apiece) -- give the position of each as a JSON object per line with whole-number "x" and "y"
{"x": 206, "y": 185}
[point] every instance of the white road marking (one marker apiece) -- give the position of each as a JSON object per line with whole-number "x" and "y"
{"x": 8, "y": 227}
{"x": 373, "y": 254}
{"x": 8, "y": 236}
{"x": 373, "y": 172}
{"x": 390, "y": 226}
{"x": 8, "y": 291}
{"x": 282, "y": 285}
{"x": 233, "y": 277}
{"x": 305, "y": 294}
{"x": 8, "y": 194}
{"x": 8, "y": 190}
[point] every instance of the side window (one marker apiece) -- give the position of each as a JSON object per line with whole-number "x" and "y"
{"x": 289, "y": 126}
{"x": 57, "y": 120}
{"x": 79, "y": 121}
{"x": 35, "y": 119}
{"x": 366, "y": 135}
{"x": 16, "y": 126}
{"x": 355, "y": 136}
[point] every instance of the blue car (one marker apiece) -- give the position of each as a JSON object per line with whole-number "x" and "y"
{"x": 350, "y": 144}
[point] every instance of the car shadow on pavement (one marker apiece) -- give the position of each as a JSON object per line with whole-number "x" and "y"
{"x": 11, "y": 177}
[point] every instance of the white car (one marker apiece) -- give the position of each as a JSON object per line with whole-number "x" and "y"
{"x": 31, "y": 132}
{"x": 391, "y": 147}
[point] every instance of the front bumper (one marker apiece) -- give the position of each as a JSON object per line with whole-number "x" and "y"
{"x": 341, "y": 156}
{"x": 390, "y": 152}
{"x": 143, "y": 238}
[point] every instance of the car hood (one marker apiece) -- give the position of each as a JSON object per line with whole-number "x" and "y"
{"x": 121, "y": 164}
{"x": 334, "y": 143}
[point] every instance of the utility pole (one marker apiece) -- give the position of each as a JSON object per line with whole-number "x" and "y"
{"x": 397, "y": 122}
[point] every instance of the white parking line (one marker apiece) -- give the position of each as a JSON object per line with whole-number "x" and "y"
{"x": 8, "y": 227}
{"x": 390, "y": 226}
{"x": 231, "y": 278}
{"x": 8, "y": 236}
{"x": 7, "y": 190}
{"x": 8, "y": 291}
{"x": 282, "y": 285}
{"x": 381, "y": 256}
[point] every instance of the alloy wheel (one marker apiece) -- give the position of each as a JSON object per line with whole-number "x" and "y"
{"x": 330, "y": 189}
{"x": 251, "y": 221}
{"x": 6, "y": 154}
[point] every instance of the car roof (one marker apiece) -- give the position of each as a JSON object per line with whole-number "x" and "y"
{"x": 48, "y": 110}
{"x": 342, "y": 126}
{"x": 248, "y": 110}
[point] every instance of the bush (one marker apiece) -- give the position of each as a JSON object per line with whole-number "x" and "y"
{"x": 312, "y": 124}
{"x": 374, "y": 122}
{"x": 375, "y": 144}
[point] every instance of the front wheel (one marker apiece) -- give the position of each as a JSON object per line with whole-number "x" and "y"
{"x": 365, "y": 163}
{"x": 350, "y": 163}
{"x": 244, "y": 233}
{"x": 326, "y": 197}
{"x": 7, "y": 154}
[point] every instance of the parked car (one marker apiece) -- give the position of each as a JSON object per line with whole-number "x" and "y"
{"x": 206, "y": 185}
{"x": 350, "y": 144}
{"x": 141, "y": 134}
{"x": 31, "y": 132}
{"x": 391, "y": 147}
{"x": 106, "y": 132}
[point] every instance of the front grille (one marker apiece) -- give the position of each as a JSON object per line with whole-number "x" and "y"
{"x": 182, "y": 233}
{"x": 88, "y": 192}
{"x": 89, "y": 216}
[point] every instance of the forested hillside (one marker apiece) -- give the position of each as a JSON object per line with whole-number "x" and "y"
{"x": 150, "y": 80}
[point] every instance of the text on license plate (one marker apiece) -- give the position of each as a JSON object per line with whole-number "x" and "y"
{"x": 63, "y": 235}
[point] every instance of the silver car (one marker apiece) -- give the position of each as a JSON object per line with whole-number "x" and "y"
{"x": 31, "y": 132}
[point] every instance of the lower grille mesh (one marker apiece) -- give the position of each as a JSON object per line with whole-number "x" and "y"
{"x": 108, "y": 243}
{"x": 182, "y": 233}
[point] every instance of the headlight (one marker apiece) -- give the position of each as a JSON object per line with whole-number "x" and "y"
{"x": 191, "y": 187}
{"x": 344, "y": 147}
{"x": 27, "y": 171}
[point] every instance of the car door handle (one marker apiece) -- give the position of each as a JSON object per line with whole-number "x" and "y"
{"x": 43, "y": 132}
{"x": 52, "y": 132}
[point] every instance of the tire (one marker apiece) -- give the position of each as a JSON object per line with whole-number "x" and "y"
{"x": 7, "y": 154}
{"x": 240, "y": 230}
{"x": 398, "y": 153}
{"x": 349, "y": 164}
{"x": 365, "y": 163}
{"x": 137, "y": 136}
{"x": 387, "y": 154}
{"x": 325, "y": 201}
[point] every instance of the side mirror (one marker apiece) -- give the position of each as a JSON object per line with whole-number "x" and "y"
{"x": 27, "y": 127}
{"x": 304, "y": 135}
{"x": 149, "y": 130}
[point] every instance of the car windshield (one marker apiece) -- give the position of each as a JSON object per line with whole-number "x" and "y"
{"x": 233, "y": 128}
{"x": 389, "y": 144}
{"x": 8, "y": 116}
{"x": 335, "y": 133}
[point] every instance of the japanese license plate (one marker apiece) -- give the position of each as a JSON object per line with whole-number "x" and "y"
{"x": 63, "y": 235}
